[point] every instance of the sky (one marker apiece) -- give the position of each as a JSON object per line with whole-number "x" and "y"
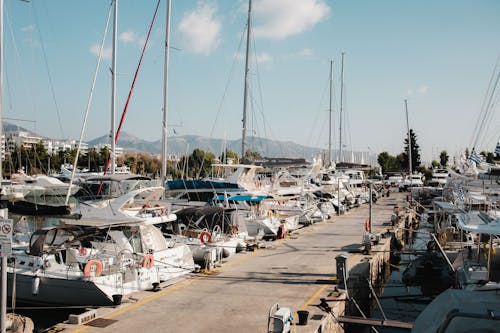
{"x": 437, "y": 55}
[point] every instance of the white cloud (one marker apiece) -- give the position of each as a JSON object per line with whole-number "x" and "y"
{"x": 106, "y": 52}
{"x": 423, "y": 89}
{"x": 131, "y": 37}
{"x": 278, "y": 19}
{"x": 200, "y": 29}
{"x": 420, "y": 90}
{"x": 128, "y": 37}
{"x": 261, "y": 57}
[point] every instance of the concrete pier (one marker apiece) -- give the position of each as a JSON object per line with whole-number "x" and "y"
{"x": 298, "y": 272}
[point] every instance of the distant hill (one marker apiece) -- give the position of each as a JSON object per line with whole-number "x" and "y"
{"x": 187, "y": 143}
{"x": 8, "y": 127}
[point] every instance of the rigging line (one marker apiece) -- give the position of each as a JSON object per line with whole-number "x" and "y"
{"x": 51, "y": 84}
{"x": 259, "y": 85}
{"x": 224, "y": 94}
{"x": 320, "y": 108}
{"x": 89, "y": 102}
{"x": 124, "y": 112}
{"x": 492, "y": 102}
{"x": 483, "y": 105}
{"x": 488, "y": 108}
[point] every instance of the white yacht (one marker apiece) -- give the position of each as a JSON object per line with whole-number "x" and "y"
{"x": 439, "y": 177}
{"x": 40, "y": 185}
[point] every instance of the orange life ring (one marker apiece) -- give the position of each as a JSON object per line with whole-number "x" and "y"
{"x": 205, "y": 237}
{"x": 92, "y": 266}
{"x": 162, "y": 211}
{"x": 234, "y": 229}
{"x": 148, "y": 261}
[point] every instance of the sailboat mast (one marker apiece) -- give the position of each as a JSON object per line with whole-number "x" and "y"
{"x": 113, "y": 88}
{"x": 3, "y": 283}
{"x": 409, "y": 139}
{"x": 330, "y": 116}
{"x": 341, "y": 106}
{"x": 247, "y": 71}
{"x": 164, "y": 157}
{"x": 2, "y": 142}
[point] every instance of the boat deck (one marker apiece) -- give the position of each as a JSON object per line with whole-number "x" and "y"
{"x": 294, "y": 272}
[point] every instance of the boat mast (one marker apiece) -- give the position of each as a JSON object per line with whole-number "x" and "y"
{"x": 164, "y": 157}
{"x": 113, "y": 88}
{"x": 247, "y": 71}
{"x": 341, "y": 106}
{"x": 3, "y": 286}
{"x": 409, "y": 139}
{"x": 330, "y": 117}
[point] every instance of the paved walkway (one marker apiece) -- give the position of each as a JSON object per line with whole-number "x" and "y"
{"x": 238, "y": 295}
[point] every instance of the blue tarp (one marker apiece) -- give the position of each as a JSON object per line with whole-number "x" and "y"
{"x": 248, "y": 198}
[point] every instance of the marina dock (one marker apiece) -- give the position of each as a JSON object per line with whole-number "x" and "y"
{"x": 298, "y": 272}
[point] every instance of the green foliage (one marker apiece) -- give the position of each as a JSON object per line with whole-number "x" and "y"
{"x": 229, "y": 154}
{"x": 415, "y": 152}
{"x": 252, "y": 155}
{"x": 435, "y": 164}
{"x": 443, "y": 158}
{"x": 388, "y": 162}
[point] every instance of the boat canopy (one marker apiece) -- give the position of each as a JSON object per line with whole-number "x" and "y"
{"x": 479, "y": 223}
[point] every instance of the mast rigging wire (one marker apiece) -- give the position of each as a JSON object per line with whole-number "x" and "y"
{"x": 89, "y": 102}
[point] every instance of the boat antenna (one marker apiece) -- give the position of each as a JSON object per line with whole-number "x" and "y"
{"x": 247, "y": 70}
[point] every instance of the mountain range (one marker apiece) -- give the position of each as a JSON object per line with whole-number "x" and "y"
{"x": 179, "y": 145}
{"x": 187, "y": 143}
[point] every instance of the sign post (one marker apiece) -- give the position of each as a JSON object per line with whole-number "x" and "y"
{"x": 5, "y": 251}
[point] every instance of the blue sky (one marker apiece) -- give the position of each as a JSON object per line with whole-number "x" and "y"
{"x": 439, "y": 55}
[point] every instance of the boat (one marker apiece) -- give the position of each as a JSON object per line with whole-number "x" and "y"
{"x": 211, "y": 232}
{"x": 41, "y": 185}
{"x": 24, "y": 207}
{"x": 439, "y": 177}
{"x": 84, "y": 263}
{"x": 460, "y": 311}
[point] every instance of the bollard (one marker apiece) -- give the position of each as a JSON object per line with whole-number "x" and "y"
{"x": 342, "y": 272}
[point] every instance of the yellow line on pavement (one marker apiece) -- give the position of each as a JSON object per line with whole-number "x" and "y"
{"x": 167, "y": 291}
{"x": 322, "y": 288}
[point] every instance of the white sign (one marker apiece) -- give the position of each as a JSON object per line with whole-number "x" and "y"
{"x": 5, "y": 237}
{"x": 5, "y": 249}
{"x": 6, "y": 230}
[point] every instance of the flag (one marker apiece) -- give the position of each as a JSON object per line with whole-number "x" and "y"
{"x": 474, "y": 157}
{"x": 497, "y": 149}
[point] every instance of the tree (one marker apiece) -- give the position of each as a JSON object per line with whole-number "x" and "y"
{"x": 435, "y": 164}
{"x": 388, "y": 162}
{"x": 229, "y": 154}
{"x": 252, "y": 155}
{"x": 415, "y": 152}
{"x": 443, "y": 158}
